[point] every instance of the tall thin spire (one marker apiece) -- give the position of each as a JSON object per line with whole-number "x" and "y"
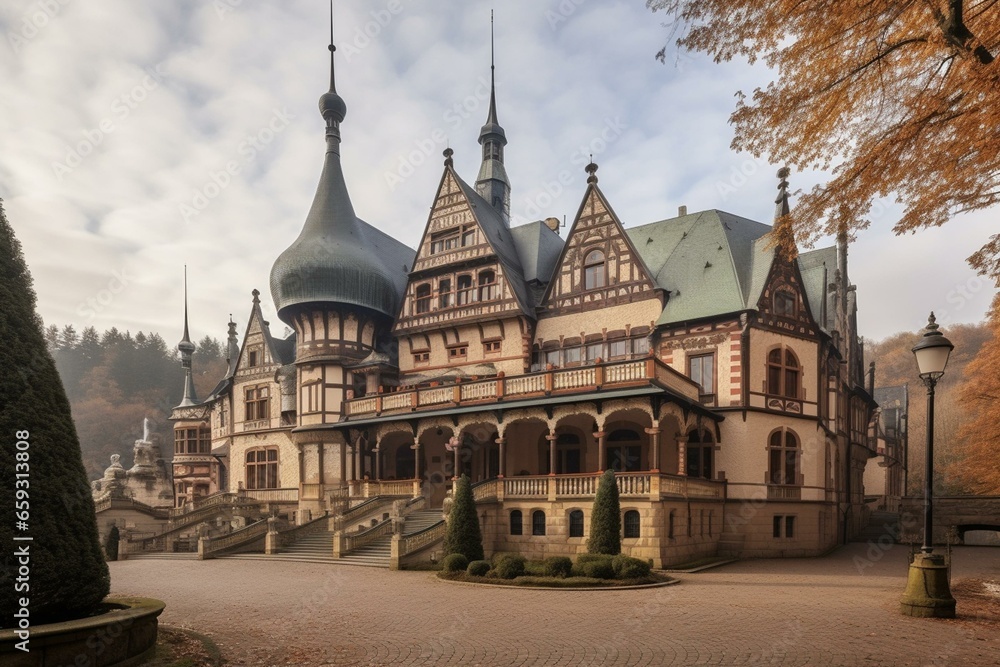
{"x": 333, "y": 78}
{"x": 492, "y": 183}
{"x": 186, "y": 348}
{"x": 784, "y": 235}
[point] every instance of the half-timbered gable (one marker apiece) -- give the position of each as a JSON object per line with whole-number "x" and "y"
{"x": 601, "y": 301}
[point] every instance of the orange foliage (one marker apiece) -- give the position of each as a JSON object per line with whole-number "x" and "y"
{"x": 895, "y": 97}
{"x": 979, "y": 470}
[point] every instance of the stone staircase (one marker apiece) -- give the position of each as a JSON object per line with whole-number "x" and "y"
{"x": 318, "y": 547}
{"x": 165, "y": 555}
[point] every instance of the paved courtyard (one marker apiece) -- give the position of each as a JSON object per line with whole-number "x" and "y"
{"x": 788, "y": 612}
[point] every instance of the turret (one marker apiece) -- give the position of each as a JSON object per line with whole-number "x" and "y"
{"x": 492, "y": 183}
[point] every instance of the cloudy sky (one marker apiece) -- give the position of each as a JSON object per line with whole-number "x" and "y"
{"x": 139, "y": 136}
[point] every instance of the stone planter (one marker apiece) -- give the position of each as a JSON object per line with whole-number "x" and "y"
{"x": 119, "y": 638}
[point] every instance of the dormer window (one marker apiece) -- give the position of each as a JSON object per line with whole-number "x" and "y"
{"x": 785, "y": 304}
{"x": 423, "y": 298}
{"x": 594, "y": 270}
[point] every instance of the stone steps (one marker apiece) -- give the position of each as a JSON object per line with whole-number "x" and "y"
{"x": 164, "y": 555}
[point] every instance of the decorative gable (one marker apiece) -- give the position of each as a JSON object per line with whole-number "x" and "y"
{"x": 459, "y": 272}
{"x": 257, "y": 358}
{"x": 599, "y": 266}
{"x": 783, "y": 305}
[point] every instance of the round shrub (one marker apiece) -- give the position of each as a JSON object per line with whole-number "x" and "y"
{"x": 510, "y": 567}
{"x": 558, "y": 566}
{"x": 499, "y": 556}
{"x": 626, "y": 567}
{"x": 598, "y": 569}
{"x": 454, "y": 563}
{"x": 478, "y": 568}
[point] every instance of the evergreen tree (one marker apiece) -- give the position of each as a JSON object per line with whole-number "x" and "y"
{"x": 68, "y": 574}
{"x": 606, "y": 518}
{"x": 464, "y": 536}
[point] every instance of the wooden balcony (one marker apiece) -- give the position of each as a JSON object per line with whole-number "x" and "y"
{"x": 647, "y": 372}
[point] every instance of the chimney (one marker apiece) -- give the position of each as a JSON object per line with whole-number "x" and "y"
{"x": 682, "y": 210}
{"x": 553, "y": 224}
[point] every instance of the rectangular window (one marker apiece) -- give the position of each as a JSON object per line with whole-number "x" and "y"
{"x": 789, "y": 526}
{"x": 491, "y": 347}
{"x": 702, "y": 371}
{"x": 552, "y": 357}
{"x": 617, "y": 349}
{"x": 469, "y": 236}
{"x": 444, "y": 241}
{"x": 465, "y": 290}
{"x": 595, "y": 351}
{"x": 459, "y": 352}
{"x": 421, "y": 358}
{"x": 253, "y": 358}
{"x": 256, "y": 403}
{"x": 571, "y": 356}
{"x": 776, "y": 526}
{"x": 445, "y": 297}
{"x": 640, "y": 347}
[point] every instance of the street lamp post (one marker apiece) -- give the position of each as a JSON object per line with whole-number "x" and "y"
{"x": 927, "y": 591}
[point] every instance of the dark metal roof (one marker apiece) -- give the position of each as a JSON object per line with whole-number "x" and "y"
{"x": 539, "y": 248}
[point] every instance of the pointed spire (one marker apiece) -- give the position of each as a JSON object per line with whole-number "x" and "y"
{"x": 331, "y": 105}
{"x": 784, "y": 234}
{"x": 186, "y": 348}
{"x": 232, "y": 347}
{"x": 492, "y": 183}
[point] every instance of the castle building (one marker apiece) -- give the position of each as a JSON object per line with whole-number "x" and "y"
{"x": 718, "y": 373}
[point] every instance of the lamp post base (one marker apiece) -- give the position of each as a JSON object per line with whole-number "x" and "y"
{"x": 928, "y": 594}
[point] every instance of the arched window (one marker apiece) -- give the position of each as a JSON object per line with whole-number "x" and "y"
{"x": 262, "y": 468}
{"x": 631, "y": 523}
{"x": 594, "y": 270}
{"x": 444, "y": 294}
{"x": 423, "y": 298}
{"x": 487, "y": 285}
{"x": 624, "y": 450}
{"x": 576, "y": 523}
{"x": 538, "y": 522}
{"x": 784, "y": 457}
{"x": 785, "y": 304}
{"x": 464, "y": 290}
{"x": 699, "y": 454}
{"x": 783, "y": 373}
{"x": 516, "y": 521}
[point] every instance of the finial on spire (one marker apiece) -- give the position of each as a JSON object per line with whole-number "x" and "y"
{"x": 256, "y": 296}
{"x": 781, "y": 201}
{"x": 331, "y": 105}
{"x": 592, "y": 170}
{"x": 493, "y": 85}
{"x": 447, "y": 157}
{"x": 333, "y": 49}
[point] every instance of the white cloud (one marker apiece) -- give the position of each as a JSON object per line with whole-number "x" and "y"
{"x": 561, "y": 80}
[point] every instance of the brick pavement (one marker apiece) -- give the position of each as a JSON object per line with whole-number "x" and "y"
{"x": 781, "y": 612}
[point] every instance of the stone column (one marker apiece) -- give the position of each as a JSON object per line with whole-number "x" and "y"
{"x": 654, "y": 448}
{"x": 416, "y": 458}
{"x": 503, "y": 456}
{"x": 551, "y": 437}
{"x": 682, "y": 442}
{"x": 600, "y": 436}
{"x": 457, "y": 453}
{"x": 377, "y": 452}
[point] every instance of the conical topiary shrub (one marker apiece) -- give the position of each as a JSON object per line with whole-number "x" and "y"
{"x": 606, "y": 518}
{"x": 464, "y": 536}
{"x": 65, "y": 573}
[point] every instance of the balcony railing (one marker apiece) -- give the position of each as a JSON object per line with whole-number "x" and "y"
{"x": 604, "y": 376}
{"x": 655, "y": 486}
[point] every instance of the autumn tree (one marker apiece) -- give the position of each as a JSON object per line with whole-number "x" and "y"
{"x": 979, "y": 468}
{"x": 893, "y": 97}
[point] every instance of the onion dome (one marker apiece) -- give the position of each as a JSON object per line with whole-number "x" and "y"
{"x": 331, "y": 261}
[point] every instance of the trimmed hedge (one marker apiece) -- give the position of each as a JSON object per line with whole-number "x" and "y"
{"x": 606, "y": 518}
{"x": 598, "y": 569}
{"x": 499, "y": 556}
{"x": 464, "y": 535}
{"x": 626, "y": 567}
{"x": 509, "y": 567}
{"x": 69, "y": 576}
{"x": 478, "y": 568}
{"x": 454, "y": 563}
{"x": 558, "y": 566}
